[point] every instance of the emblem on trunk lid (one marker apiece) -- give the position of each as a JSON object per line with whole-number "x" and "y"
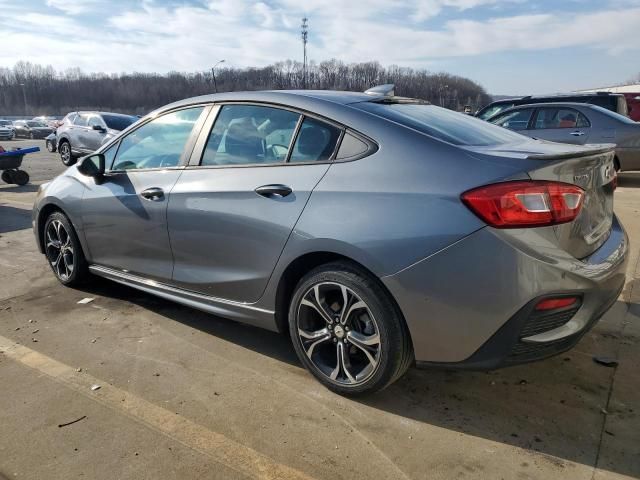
{"x": 582, "y": 179}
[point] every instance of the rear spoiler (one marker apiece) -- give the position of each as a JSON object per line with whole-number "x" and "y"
{"x": 586, "y": 152}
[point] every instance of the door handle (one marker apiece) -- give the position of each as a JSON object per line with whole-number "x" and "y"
{"x": 153, "y": 194}
{"x": 273, "y": 191}
{"x": 577, "y": 133}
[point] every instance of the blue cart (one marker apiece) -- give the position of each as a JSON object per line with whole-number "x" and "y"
{"x": 10, "y": 163}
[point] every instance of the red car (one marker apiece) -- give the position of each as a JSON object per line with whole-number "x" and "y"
{"x": 633, "y": 104}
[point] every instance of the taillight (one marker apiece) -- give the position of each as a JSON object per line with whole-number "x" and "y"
{"x": 525, "y": 203}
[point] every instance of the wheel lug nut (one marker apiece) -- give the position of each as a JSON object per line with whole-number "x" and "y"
{"x": 335, "y": 340}
{"x": 345, "y": 340}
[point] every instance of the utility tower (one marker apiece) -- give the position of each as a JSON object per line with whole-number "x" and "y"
{"x": 304, "y": 33}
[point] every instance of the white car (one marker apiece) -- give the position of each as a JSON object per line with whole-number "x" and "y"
{"x": 6, "y": 132}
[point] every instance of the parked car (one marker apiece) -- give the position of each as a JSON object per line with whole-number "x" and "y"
{"x": 49, "y": 121}
{"x": 577, "y": 123}
{"x": 377, "y": 230}
{"x": 51, "y": 142}
{"x": 611, "y": 101}
{"x": 82, "y": 133}
{"x": 6, "y": 130}
{"x": 633, "y": 105}
{"x": 31, "y": 129}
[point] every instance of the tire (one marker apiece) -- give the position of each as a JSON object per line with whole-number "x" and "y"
{"x": 32, "y": 136}
{"x": 20, "y": 177}
{"x": 65, "y": 153}
{"x": 7, "y": 176}
{"x": 50, "y": 146}
{"x": 63, "y": 250}
{"x": 372, "y": 323}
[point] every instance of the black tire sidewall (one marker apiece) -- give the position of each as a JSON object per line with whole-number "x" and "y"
{"x": 62, "y": 146}
{"x": 80, "y": 264}
{"x": 388, "y": 320}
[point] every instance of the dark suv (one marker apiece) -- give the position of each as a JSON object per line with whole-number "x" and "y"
{"x": 82, "y": 133}
{"x": 611, "y": 101}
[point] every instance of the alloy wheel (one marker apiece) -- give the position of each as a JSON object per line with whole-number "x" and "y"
{"x": 59, "y": 249}
{"x": 338, "y": 333}
{"x": 65, "y": 152}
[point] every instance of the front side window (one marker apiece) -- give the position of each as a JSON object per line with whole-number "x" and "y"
{"x": 250, "y": 134}
{"x": 551, "y": 118}
{"x": 315, "y": 142}
{"x": 118, "y": 122}
{"x": 159, "y": 143}
{"x": 517, "y": 120}
{"x": 494, "y": 110}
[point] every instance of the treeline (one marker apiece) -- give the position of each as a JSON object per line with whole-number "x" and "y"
{"x": 28, "y": 89}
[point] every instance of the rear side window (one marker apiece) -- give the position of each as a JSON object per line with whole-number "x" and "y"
{"x": 250, "y": 134}
{"x": 316, "y": 141}
{"x": 351, "y": 147}
{"x": 560, "y": 118}
{"x": 451, "y": 127}
{"x": 494, "y": 110}
{"x": 517, "y": 120}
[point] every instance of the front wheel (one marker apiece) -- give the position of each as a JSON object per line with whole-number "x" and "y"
{"x": 63, "y": 250}
{"x": 32, "y": 136}
{"x": 65, "y": 153}
{"x": 347, "y": 330}
{"x": 50, "y": 146}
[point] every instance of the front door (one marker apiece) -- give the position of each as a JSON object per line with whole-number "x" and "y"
{"x": 125, "y": 214}
{"x": 233, "y": 209}
{"x": 563, "y": 125}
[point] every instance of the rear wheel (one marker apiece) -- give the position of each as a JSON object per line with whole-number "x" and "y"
{"x": 347, "y": 331}
{"x": 32, "y": 136}
{"x": 65, "y": 153}
{"x": 63, "y": 250}
{"x": 50, "y": 146}
{"x": 20, "y": 177}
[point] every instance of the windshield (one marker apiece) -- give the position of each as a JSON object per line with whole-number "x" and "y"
{"x": 443, "y": 124}
{"x": 494, "y": 110}
{"x": 118, "y": 122}
{"x": 33, "y": 123}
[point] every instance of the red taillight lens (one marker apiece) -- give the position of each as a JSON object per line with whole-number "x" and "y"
{"x": 526, "y": 203}
{"x": 555, "y": 303}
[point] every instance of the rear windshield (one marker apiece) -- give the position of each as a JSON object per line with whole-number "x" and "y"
{"x": 443, "y": 124}
{"x": 615, "y": 115}
{"x": 118, "y": 122}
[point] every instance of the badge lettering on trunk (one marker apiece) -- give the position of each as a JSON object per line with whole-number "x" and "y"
{"x": 582, "y": 179}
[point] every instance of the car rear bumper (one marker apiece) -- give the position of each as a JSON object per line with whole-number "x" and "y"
{"x": 472, "y": 304}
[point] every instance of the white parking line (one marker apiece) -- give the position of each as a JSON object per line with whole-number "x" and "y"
{"x": 215, "y": 445}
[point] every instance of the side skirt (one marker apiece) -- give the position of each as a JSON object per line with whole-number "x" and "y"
{"x": 242, "y": 312}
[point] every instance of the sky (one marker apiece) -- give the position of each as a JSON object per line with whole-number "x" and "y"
{"x": 509, "y": 47}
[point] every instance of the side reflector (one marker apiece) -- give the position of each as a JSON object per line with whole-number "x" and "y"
{"x": 555, "y": 303}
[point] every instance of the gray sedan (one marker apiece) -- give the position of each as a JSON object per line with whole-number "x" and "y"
{"x": 376, "y": 231}
{"x": 577, "y": 123}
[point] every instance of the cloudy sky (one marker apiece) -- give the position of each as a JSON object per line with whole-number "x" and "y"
{"x": 508, "y": 46}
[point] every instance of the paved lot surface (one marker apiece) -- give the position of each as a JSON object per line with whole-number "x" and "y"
{"x": 188, "y": 395}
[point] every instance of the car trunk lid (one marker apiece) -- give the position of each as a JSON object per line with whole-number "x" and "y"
{"x": 592, "y": 169}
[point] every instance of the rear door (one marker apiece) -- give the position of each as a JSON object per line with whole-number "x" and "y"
{"x": 233, "y": 209}
{"x": 76, "y": 133}
{"x": 94, "y": 134}
{"x": 563, "y": 125}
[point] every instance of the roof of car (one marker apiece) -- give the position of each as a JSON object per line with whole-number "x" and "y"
{"x": 551, "y": 104}
{"x": 104, "y": 113}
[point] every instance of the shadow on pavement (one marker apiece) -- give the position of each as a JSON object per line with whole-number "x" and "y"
{"x": 12, "y": 219}
{"x": 28, "y": 188}
{"x": 629, "y": 179}
{"x": 552, "y": 408}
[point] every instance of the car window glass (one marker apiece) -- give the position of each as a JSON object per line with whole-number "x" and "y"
{"x": 80, "y": 120}
{"x": 315, "y": 142}
{"x": 557, "y": 118}
{"x": 110, "y": 155}
{"x": 159, "y": 143}
{"x": 351, "y": 147}
{"x": 516, "y": 120}
{"x": 250, "y": 134}
{"x": 582, "y": 122}
{"x": 94, "y": 120}
{"x": 494, "y": 110}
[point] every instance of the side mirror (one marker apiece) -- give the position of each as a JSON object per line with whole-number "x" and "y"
{"x": 92, "y": 166}
{"x": 99, "y": 128}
